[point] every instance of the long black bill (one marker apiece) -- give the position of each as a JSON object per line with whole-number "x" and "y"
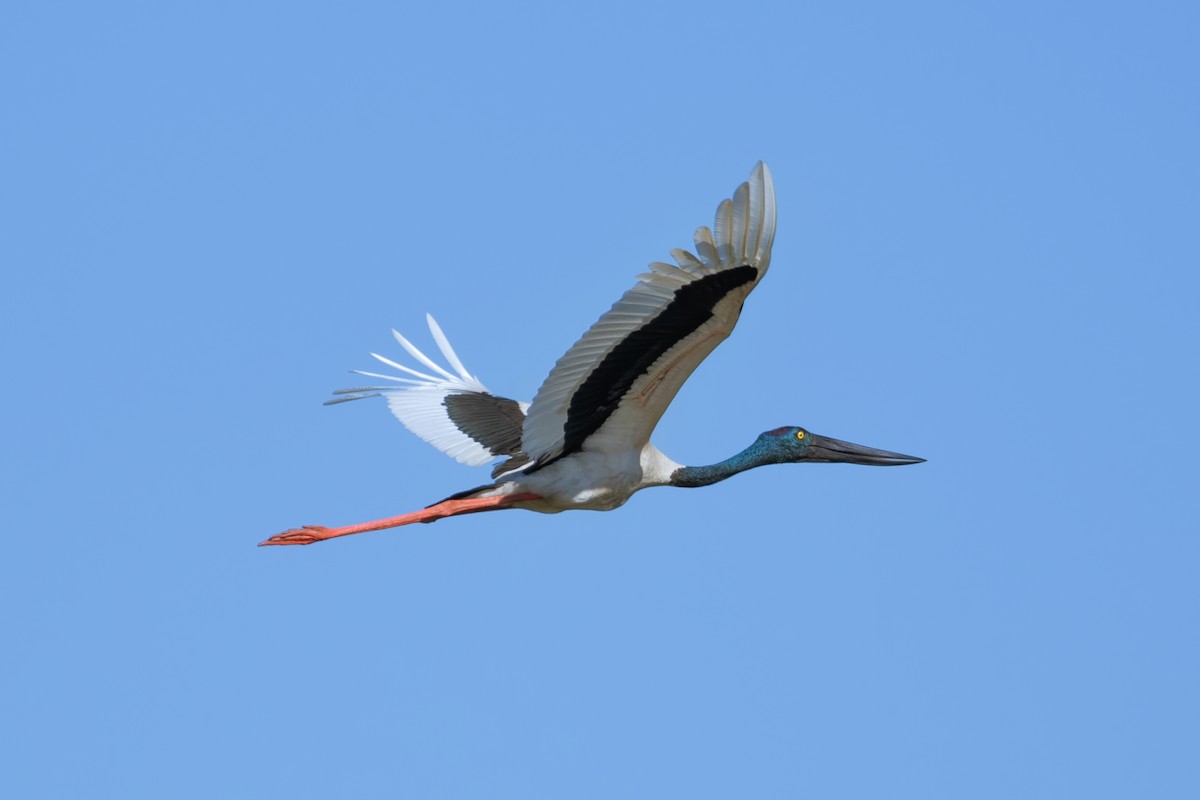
{"x": 822, "y": 448}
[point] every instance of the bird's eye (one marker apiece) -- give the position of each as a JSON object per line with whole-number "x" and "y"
{"x": 799, "y": 434}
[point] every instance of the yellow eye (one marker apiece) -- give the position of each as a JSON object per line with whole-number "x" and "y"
{"x": 799, "y": 434}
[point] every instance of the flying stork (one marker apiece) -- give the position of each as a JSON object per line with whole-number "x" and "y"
{"x": 584, "y": 441}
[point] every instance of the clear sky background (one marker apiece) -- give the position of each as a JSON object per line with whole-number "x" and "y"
{"x": 987, "y": 256}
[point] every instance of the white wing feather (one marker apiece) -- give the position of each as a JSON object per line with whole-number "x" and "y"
{"x": 420, "y": 403}
{"x": 743, "y": 233}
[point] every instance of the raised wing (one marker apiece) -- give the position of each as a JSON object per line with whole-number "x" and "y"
{"x": 453, "y": 411}
{"x": 610, "y": 389}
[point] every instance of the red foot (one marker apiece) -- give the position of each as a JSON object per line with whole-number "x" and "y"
{"x": 306, "y": 535}
{"x": 447, "y": 508}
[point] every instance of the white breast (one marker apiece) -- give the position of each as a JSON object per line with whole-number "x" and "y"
{"x": 592, "y": 480}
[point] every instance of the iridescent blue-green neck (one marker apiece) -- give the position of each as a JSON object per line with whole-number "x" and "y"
{"x": 788, "y": 445}
{"x": 765, "y": 450}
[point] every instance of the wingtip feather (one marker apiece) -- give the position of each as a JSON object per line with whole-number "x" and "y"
{"x": 447, "y": 351}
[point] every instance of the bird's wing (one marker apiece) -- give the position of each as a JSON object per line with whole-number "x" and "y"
{"x": 453, "y": 411}
{"x": 610, "y": 389}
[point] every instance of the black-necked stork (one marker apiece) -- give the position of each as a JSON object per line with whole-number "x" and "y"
{"x": 584, "y": 441}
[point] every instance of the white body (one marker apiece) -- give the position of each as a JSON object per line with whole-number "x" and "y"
{"x": 588, "y": 480}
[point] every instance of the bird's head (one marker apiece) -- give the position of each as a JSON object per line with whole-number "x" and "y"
{"x": 791, "y": 444}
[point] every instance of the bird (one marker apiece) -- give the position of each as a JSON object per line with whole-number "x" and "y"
{"x": 584, "y": 440}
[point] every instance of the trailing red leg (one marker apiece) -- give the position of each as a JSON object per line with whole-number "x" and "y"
{"x": 447, "y": 508}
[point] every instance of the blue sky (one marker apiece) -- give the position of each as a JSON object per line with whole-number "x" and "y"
{"x": 987, "y": 256}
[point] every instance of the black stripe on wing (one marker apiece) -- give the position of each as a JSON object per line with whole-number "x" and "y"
{"x": 601, "y": 392}
{"x": 494, "y": 422}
